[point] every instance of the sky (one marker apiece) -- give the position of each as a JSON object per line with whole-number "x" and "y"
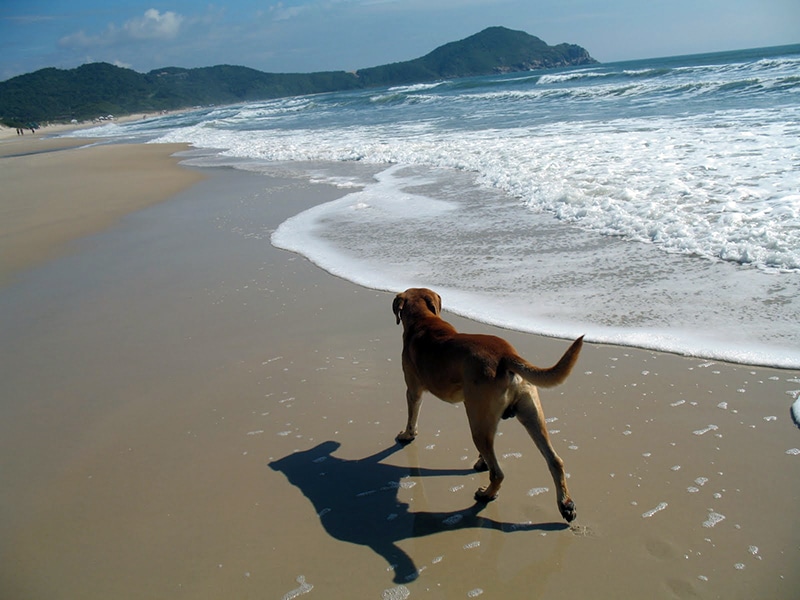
{"x": 303, "y": 36}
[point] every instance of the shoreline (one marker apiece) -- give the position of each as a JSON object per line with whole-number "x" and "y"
{"x": 773, "y": 351}
{"x": 202, "y": 414}
{"x": 9, "y": 134}
{"x": 580, "y": 291}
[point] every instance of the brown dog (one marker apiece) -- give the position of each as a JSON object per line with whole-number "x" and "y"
{"x": 487, "y": 374}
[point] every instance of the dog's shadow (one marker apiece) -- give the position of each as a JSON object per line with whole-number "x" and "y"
{"x": 357, "y": 502}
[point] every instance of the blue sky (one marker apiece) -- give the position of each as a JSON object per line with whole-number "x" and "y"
{"x": 323, "y": 35}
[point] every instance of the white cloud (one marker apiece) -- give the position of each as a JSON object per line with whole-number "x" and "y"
{"x": 153, "y": 25}
{"x": 281, "y": 12}
{"x": 78, "y": 39}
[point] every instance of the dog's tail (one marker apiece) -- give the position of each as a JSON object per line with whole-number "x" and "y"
{"x": 546, "y": 377}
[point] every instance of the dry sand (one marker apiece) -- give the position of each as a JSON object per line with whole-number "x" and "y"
{"x": 188, "y": 412}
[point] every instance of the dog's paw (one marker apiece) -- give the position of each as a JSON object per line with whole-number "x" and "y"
{"x": 484, "y": 495}
{"x": 404, "y": 437}
{"x": 568, "y": 511}
{"x": 480, "y": 466}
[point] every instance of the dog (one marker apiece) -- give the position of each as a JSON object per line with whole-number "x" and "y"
{"x": 487, "y": 375}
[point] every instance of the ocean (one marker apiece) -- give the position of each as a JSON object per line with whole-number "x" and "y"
{"x": 651, "y": 203}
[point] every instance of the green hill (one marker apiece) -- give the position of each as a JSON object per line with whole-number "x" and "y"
{"x": 493, "y": 50}
{"x": 97, "y": 89}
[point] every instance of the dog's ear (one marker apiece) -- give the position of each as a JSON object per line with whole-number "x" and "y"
{"x": 434, "y": 302}
{"x": 397, "y": 306}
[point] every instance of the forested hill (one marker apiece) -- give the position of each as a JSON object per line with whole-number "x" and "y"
{"x": 493, "y": 50}
{"x": 99, "y": 89}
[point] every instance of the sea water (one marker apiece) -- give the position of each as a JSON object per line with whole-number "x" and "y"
{"x": 653, "y": 203}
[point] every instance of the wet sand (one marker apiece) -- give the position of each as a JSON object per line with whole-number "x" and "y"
{"x": 188, "y": 412}
{"x": 51, "y": 196}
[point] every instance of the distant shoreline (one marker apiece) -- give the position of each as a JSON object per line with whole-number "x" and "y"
{"x": 8, "y": 134}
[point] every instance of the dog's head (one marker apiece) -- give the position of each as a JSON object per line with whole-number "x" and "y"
{"x": 416, "y": 302}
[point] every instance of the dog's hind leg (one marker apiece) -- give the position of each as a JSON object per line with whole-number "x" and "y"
{"x": 529, "y": 413}
{"x": 414, "y": 400}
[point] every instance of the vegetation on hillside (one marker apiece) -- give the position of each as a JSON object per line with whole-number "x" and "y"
{"x": 493, "y": 50}
{"x": 100, "y": 89}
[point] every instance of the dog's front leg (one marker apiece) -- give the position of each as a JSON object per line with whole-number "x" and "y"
{"x": 414, "y": 400}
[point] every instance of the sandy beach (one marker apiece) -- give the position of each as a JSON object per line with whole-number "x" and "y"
{"x": 188, "y": 412}
{"x": 51, "y": 197}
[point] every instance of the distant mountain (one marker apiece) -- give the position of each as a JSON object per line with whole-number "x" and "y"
{"x": 98, "y": 89}
{"x": 493, "y": 50}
